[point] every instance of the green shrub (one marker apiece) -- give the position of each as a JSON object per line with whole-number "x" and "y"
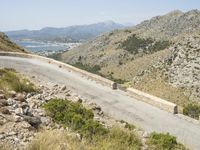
{"x": 133, "y": 44}
{"x": 95, "y": 69}
{"x": 75, "y": 116}
{"x": 160, "y": 141}
{"x": 10, "y": 81}
{"x": 192, "y": 110}
{"x": 159, "y": 45}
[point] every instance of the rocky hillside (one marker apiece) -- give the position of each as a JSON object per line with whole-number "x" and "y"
{"x": 130, "y": 55}
{"x": 7, "y": 45}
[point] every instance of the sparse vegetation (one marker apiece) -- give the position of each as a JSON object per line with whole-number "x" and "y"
{"x": 134, "y": 44}
{"x": 56, "y": 56}
{"x": 10, "y": 81}
{"x": 192, "y": 110}
{"x": 95, "y": 69}
{"x": 160, "y": 141}
{"x": 128, "y": 125}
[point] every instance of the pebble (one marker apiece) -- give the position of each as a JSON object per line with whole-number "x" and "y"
{"x": 63, "y": 88}
{"x": 4, "y": 110}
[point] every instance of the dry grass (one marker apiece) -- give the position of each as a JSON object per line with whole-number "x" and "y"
{"x": 54, "y": 140}
{"x": 156, "y": 83}
{"x": 117, "y": 139}
{"x": 132, "y": 68}
{"x": 9, "y": 81}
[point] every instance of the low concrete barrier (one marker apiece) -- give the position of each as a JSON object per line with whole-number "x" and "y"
{"x": 68, "y": 67}
{"x": 153, "y": 100}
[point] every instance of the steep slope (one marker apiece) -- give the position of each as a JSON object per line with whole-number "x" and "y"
{"x": 7, "y": 45}
{"x": 67, "y": 34}
{"x": 137, "y": 55}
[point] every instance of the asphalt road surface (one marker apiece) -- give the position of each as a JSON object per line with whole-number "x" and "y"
{"x": 115, "y": 103}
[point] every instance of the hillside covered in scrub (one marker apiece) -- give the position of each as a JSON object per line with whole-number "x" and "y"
{"x": 158, "y": 56}
{"x": 7, "y": 45}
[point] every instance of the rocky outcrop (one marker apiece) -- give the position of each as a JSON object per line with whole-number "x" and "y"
{"x": 184, "y": 65}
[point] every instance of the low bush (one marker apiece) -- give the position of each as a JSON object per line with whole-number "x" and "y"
{"x": 75, "y": 116}
{"x": 192, "y": 110}
{"x": 160, "y": 141}
{"x": 95, "y": 69}
{"x": 133, "y": 44}
{"x": 10, "y": 81}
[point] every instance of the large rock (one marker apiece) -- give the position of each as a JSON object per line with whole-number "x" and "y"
{"x": 3, "y": 102}
{"x": 34, "y": 121}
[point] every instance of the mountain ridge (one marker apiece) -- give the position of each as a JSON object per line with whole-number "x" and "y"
{"x": 76, "y": 33}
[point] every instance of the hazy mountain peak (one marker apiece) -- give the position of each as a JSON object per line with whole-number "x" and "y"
{"x": 174, "y": 13}
{"x": 77, "y": 33}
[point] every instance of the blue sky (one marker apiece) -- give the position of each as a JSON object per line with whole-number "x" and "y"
{"x": 35, "y": 14}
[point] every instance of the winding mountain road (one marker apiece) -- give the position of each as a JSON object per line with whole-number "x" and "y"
{"x": 115, "y": 103}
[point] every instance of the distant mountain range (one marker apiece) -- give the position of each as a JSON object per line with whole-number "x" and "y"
{"x": 66, "y": 34}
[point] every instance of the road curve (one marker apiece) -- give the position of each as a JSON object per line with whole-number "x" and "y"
{"x": 115, "y": 103}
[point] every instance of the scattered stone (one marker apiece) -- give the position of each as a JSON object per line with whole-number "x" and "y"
{"x": 3, "y": 102}
{"x": 19, "y": 111}
{"x": 2, "y": 136}
{"x": 11, "y": 101}
{"x": 2, "y": 96}
{"x": 20, "y": 97}
{"x": 55, "y": 85}
{"x": 4, "y": 110}
{"x": 29, "y": 95}
{"x": 13, "y": 93}
{"x": 63, "y": 88}
{"x": 34, "y": 121}
{"x": 45, "y": 121}
{"x": 18, "y": 118}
